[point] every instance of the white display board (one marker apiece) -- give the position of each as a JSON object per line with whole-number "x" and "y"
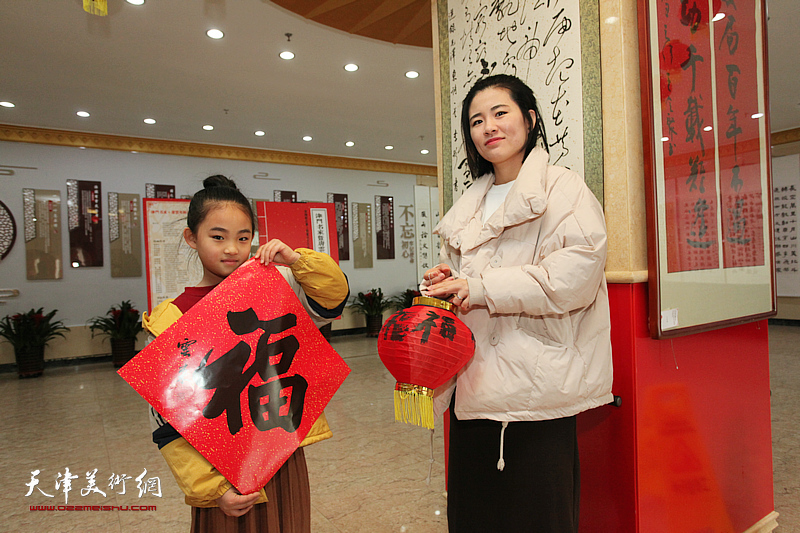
{"x": 785, "y": 186}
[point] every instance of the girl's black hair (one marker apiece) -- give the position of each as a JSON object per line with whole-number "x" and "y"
{"x": 523, "y": 97}
{"x": 216, "y": 189}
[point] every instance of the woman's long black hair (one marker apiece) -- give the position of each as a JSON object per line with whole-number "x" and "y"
{"x": 523, "y": 97}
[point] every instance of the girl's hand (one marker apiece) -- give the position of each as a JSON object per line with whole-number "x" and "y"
{"x": 234, "y": 504}
{"x": 275, "y": 250}
{"x": 434, "y": 275}
{"x": 457, "y": 290}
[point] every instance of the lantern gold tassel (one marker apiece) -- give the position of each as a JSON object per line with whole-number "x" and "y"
{"x": 96, "y": 7}
{"x": 413, "y": 404}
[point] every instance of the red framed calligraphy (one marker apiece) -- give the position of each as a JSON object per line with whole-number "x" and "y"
{"x": 707, "y": 165}
{"x": 243, "y": 375}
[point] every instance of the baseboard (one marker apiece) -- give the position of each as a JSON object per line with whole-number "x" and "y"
{"x": 765, "y": 525}
{"x": 56, "y": 363}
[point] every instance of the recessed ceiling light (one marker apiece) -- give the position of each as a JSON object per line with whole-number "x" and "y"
{"x": 664, "y": 139}
{"x": 82, "y": 114}
{"x": 136, "y": 2}
{"x": 260, "y": 133}
{"x": 412, "y": 74}
{"x": 287, "y": 55}
{"x": 351, "y": 67}
{"x": 349, "y": 144}
{"x": 708, "y": 128}
{"x": 307, "y": 138}
{"x": 718, "y": 16}
{"x": 215, "y": 33}
{"x": 208, "y": 127}
{"x": 7, "y": 104}
{"x": 424, "y": 152}
{"x": 388, "y": 147}
{"x": 757, "y": 115}
{"x": 612, "y": 20}
{"x": 149, "y": 121}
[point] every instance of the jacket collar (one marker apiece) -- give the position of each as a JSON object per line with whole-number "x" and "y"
{"x": 526, "y": 200}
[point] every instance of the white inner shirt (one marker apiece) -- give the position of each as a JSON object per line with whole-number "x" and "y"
{"x": 494, "y": 198}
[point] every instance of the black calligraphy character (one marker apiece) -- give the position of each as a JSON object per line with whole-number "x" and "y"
{"x": 733, "y": 130}
{"x": 690, "y": 16}
{"x": 393, "y": 330}
{"x": 736, "y": 181}
{"x": 738, "y": 224}
{"x": 733, "y": 79}
{"x": 228, "y": 376}
{"x": 697, "y": 166}
{"x": 288, "y": 391}
{"x": 448, "y": 329}
{"x": 426, "y": 325}
{"x": 694, "y": 57}
{"x": 184, "y": 346}
{"x": 694, "y": 123}
{"x": 485, "y": 70}
{"x": 730, "y": 37}
{"x": 700, "y": 208}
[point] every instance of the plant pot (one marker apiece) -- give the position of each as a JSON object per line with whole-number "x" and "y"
{"x": 374, "y": 323}
{"x": 122, "y": 351}
{"x": 30, "y": 361}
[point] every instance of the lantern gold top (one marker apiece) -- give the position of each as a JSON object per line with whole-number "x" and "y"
{"x": 434, "y": 302}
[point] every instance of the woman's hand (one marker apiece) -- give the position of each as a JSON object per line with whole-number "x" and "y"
{"x": 457, "y": 290}
{"x": 276, "y": 251}
{"x": 234, "y": 504}
{"x": 434, "y": 275}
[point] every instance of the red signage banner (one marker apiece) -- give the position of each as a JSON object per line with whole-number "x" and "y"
{"x": 243, "y": 375}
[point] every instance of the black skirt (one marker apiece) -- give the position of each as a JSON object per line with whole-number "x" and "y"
{"x": 538, "y": 489}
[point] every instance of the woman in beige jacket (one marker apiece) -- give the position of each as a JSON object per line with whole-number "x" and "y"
{"x": 523, "y": 256}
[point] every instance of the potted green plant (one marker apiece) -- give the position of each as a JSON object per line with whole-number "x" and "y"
{"x": 371, "y": 304}
{"x": 404, "y": 299}
{"x": 121, "y": 324}
{"x": 29, "y": 333}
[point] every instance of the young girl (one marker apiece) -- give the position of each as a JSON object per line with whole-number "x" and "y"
{"x": 523, "y": 255}
{"x": 220, "y": 227}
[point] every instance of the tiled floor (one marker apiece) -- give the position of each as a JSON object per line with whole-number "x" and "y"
{"x": 369, "y": 478}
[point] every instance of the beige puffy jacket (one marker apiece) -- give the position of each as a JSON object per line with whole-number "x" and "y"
{"x": 535, "y": 272}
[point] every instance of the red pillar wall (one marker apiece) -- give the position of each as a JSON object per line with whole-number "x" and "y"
{"x": 690, "y": 447}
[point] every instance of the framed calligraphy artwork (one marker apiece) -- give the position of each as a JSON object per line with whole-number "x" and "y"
{"x": 706, "y": 143}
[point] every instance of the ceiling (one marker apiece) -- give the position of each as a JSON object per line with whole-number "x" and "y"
{"x": 155, "y": 61}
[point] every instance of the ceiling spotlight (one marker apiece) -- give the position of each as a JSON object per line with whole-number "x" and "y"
{"x": 136, "y": 2}
{"x": 208, "y": 127}
{"x": 149, "y": 121}
{"x": 718, "y": 16}
{"x": 287, "y": 55}
{"x": 757, "y": 115}
{"x": 83, "y": 114}
{"x": 424, "y": 152}
{"x": 388, "y": 147}
{"x": 215, "y": 33}
{"x": 664, "y": 139}
{"x": 708, "y": 128}
{"x": 260, "y": 133}
{"x": 412, "y": 74}
{"x": 351, "y": 67}
{"x": 7, "y": 104}
{"x": 349, "y": 144}
{"x": 307, "y": 138}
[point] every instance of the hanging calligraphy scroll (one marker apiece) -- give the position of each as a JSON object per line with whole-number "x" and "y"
{"x": 706, "y": 140}
{"x": 243, "y": 375}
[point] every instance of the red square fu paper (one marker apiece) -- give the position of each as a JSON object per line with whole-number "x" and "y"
{"x": 243, "y": 375}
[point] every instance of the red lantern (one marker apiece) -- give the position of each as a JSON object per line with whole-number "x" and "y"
{"x": 423, "y": 346}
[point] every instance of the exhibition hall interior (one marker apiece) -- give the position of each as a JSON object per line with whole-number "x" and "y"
{"x": 339, "y": 120}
